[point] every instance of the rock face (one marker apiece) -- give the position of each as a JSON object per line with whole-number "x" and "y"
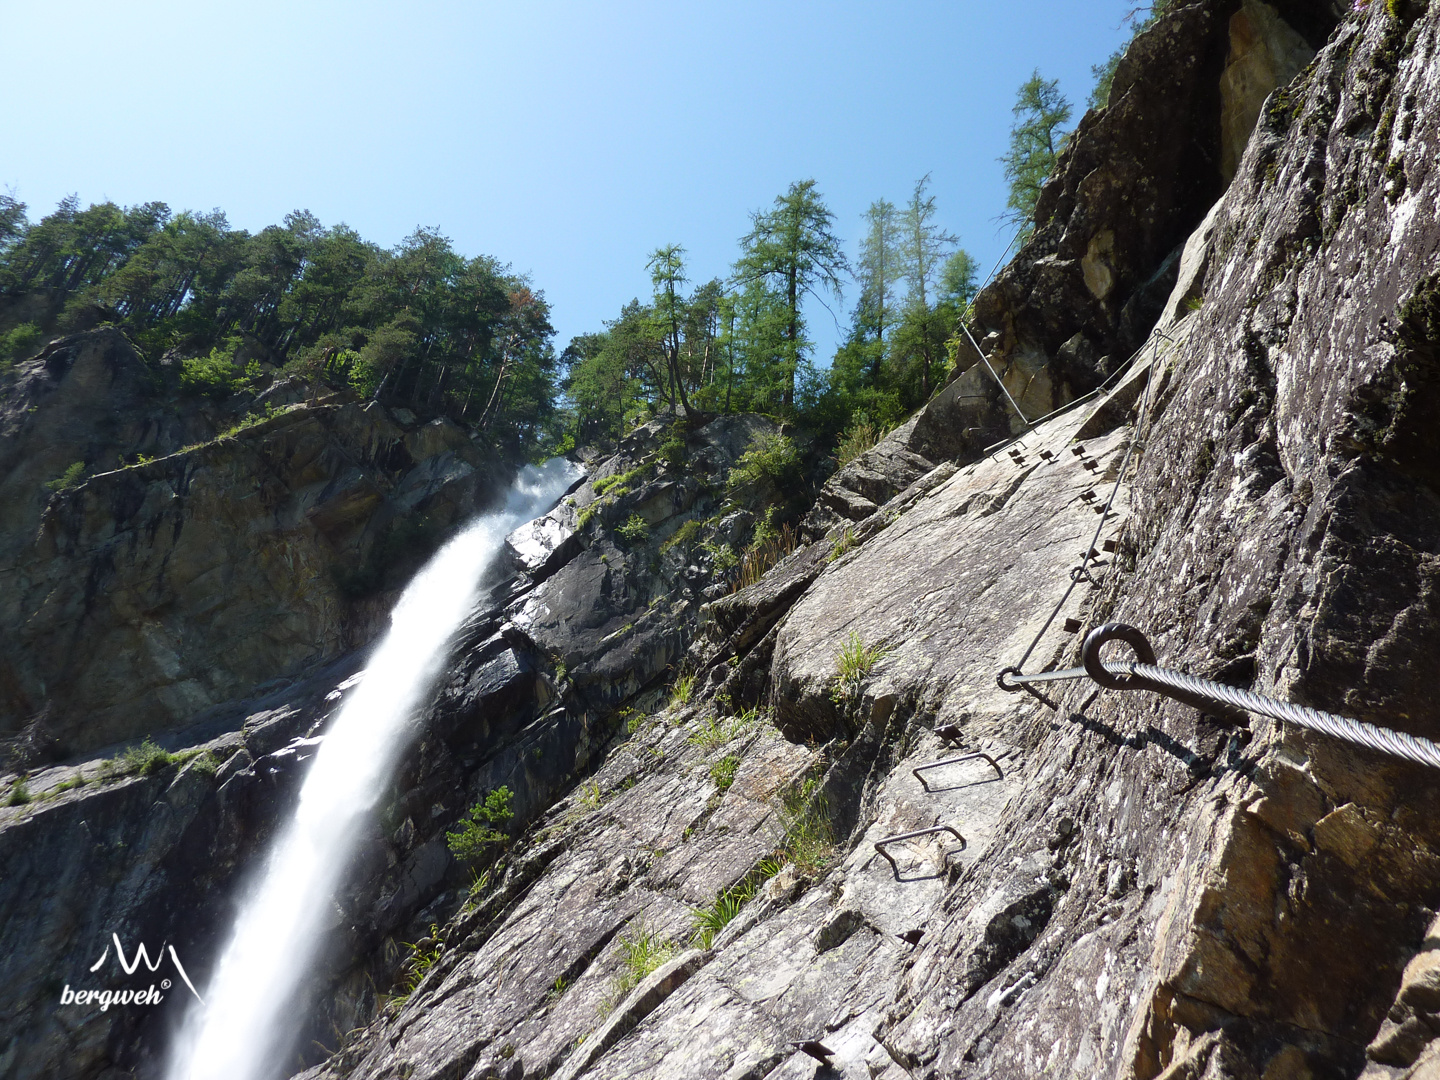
{"x": 1142, "y": 889}
{"x": 1133, "y": 181}
{"x": 1265, "y": 53}
{"x": 836, "y": 846}
{"x": 527, "y": 702}
{"x": 150, "y": 592}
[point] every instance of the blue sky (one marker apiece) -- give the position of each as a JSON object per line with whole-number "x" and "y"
{"x": 567, "y": 139}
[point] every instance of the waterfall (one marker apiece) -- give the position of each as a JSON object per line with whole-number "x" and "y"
{"x": 250, "y": 1012}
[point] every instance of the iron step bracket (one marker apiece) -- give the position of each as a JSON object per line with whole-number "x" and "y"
{"x": 955, "y": 761}
{"x": 894, "y": 866}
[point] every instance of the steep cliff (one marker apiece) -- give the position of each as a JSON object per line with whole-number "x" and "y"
{"x": 1142, "y": 889}
{"x": 230, "y": 546}
{"x": 1126, "y": 886}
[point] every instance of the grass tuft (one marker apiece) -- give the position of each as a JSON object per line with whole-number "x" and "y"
{"x": 853, "y": 664}
{"x": 861, "y": 436}
{"x": 423, "y": 956}
{"x": 723, "y": 771}
{"x": 642, "y": 951}
{"x": 681, "y": 691}
{"x": 619, "y": 484}
{"x": 769, "y": 547}
{"x": 719, "y": 730}
{"x": 844, "y": 541}
{"x": 684, "y": 537}
{"x": 809, "y": 837}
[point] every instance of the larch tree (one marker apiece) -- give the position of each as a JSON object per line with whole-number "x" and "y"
{"x": 877, "y": 271}
{"x": 924, "y": 246}
{"x": 667, "y": 274}
{"x": 792, "y": 249}
{"x": 1036, "y": 138}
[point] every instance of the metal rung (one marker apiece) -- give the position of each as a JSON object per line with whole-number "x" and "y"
{"x": 1088, "y": 495}
{"x": 1091, "y": 465}
{"x": 1109, "y": 547}
{"x": 955, "y": 761}
{"x": 1072, "y": 626}
{"x": 1078, "y": 451}
{"x": 1016, "y": 680}
{"x": 894, "y": 866}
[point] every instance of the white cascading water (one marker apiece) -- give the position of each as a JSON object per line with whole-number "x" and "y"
{"x": 250, "y": 1013}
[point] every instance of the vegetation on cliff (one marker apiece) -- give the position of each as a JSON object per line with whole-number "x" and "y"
{"x": 418, "y": 326}
{"x": 740, "y": 344}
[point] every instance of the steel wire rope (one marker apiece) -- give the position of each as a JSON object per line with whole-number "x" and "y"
{"x": 1121, "y": 370}
{"x": 1082, "y": 572}
{"x": 984, "y": 360}
{"x": 1144, "y": 674}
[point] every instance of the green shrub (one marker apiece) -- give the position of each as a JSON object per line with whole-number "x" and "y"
{"x": 635, "y": 530}
{"x": 673, "y": 451}
{"x": 21, "y": 342}
{"x": 205, "y": 762}
{"x": 70, "y": 478}
{"x": 211, "y": 376}
{"x": 843, "y": 542}
{"x": 771, "y": 462}
{"x": 145, "y": 759}
{"x": 478, "y": 828}
{"x": 722, "y": 557}
{"x": 19, "y": 794}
